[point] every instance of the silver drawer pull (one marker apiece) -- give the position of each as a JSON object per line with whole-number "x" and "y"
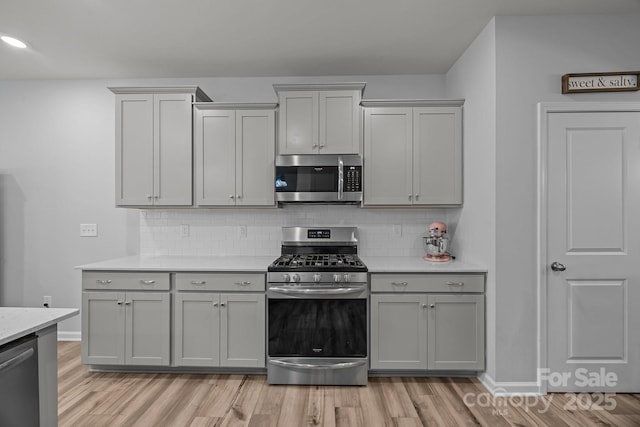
{"x": 147, "y": 282}
{"x": 242, "y": 283}
{"x": 103, "y": 282}
{"x": 455, "y": 283}
{"x": 198, "y": 282}
{"x": 399, "y": 283}
{"x": 120, "y": 302}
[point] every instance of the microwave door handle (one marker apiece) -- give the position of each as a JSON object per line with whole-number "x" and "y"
{"x": 340, "y": 177}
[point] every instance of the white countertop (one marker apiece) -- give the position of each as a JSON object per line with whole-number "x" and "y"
{"x": 401, "y": 264}
{"x": 16, "y": 322}
{"x": 183, "y": 263}
{"x": 376, "y": 264}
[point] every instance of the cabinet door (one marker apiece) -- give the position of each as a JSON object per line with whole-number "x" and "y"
{"x": 197, "y": 329}
{"x": 242, "y": 330}
{"x": 255, "y": 151}
{"x": 437, "y": 155}
{"x": 215, "y": 137}
{"x": 340, "y": 122}
{"x": 103, "y": 320}
{"x": 147, "y": 328}
{"x": 388, "y": 156}
{"x": 173, "y": 150}
{"x": 456, "y": 332}
{"x": 134, "y": 150}
{"x": 298, "y": 122}
{"x": 398, "y": 331}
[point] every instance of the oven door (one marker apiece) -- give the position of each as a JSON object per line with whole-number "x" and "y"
{"x": 317, "y": 339}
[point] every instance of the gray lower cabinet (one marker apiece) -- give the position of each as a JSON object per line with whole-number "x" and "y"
{"x": 414, "y": 326}
{"x": 219, "y": 329}
{"x": 126, "y": 318}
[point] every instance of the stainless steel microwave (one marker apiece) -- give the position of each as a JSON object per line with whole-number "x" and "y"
{"x": 319, "y": 178}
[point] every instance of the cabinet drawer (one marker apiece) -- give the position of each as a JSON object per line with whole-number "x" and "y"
{"x": 236, "y": 282}
{"x": 427, "y": 283}
{"x": 125, "y": 280}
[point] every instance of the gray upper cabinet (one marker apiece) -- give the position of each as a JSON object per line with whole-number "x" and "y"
{"x": 234, "y": 158}
{"x": 320, "y": 118}
{"x": 154, "y": 145}
{"x": 412, "y": 153}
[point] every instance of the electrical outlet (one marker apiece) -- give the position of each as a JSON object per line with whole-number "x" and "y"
{"x": 47, "y": 301}
{"x": 184, "y": 230}
{"x": 397, "y": 230}
{"x": 88, "y": 230}
{"x": 243, "y": 231}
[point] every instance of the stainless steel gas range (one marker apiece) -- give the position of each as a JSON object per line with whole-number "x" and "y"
{"x": 317, "y": 312}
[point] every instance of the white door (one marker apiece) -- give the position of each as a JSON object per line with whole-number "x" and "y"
{"x": 593, "y": 234}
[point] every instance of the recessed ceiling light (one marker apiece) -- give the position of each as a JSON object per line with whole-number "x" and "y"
{"x": 14, "y": 42}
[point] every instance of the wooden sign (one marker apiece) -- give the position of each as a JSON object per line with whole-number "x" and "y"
{"x": 623, "y": 81}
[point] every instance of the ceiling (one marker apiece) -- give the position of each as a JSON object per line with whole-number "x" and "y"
{"x": 77, "y": 39}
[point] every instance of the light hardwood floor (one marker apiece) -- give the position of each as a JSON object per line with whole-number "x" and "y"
{"x": 112, "y": 399}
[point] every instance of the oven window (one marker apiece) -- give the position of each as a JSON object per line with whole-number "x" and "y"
{"x": 318, "y": 327}
{"x": 305, "y": 179}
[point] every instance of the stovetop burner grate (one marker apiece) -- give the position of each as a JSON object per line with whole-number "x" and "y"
{"x": 318, "y": 261}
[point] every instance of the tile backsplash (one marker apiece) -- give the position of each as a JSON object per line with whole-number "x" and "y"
{"x": 257, "y": 232}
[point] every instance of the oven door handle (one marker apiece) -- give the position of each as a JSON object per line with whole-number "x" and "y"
{"x": 330, "y": 366}
{"x": 308, "y": 291}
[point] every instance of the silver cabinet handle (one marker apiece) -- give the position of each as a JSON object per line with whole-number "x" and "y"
{"x": 222, "y": 304}
{"x": 314, "y": 145}
{"x": 410, "y": 196}
{"x": 231, "y": 196}
{"x": 416, "y": 196}
{"x": 149, "y": 196}
{"x": 127, "y": 303}
{"x": 103, "y": 282}
{"x": 238, "y": 196}
{"x": 432, "y": 306}
{"x": 321, "y": 145}
{"x": 455, "y": 283}
{"x": 215, "y": 303}
{"x": 147, "y": 282}
{"x": 242, "y": 283}
{"x": 120, "y": 302}
{"x": 424, "y": 305}
{"x": 399, "y": 283}
{"x": 198, "y": 282}
{"x": 556, "y": 266}
{"x": 156, "y": 197}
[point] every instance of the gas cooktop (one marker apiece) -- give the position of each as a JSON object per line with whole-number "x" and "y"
{"x": 314, "y": 262}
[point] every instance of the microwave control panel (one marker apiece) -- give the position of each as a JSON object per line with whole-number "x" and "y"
{"x": 353, "y": 179}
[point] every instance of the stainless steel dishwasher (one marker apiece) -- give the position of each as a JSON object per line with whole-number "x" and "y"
{"x": 19, "y": 396}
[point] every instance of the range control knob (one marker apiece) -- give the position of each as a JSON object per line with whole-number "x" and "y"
{"x": 346, "y": 277}
{"x": 317, "y": 277}
{"x": 286, "y": 278}
{"x": 336, "y": 277}
{"x": 296, "y": 278}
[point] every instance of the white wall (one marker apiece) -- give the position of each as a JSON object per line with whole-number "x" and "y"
{"x": 57, "y": 171}
{"x": 473, "y": 78}
{"x": 532, "y": 55}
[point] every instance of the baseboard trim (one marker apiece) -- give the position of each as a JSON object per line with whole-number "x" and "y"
{"x": 510, "y": 388}
{"x": 68, "y": 336}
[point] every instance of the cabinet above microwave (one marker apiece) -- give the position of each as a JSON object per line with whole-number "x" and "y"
{"x": 320, "y": 118}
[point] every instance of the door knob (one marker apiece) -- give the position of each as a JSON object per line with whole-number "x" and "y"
{"x": 556, "y": 266}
